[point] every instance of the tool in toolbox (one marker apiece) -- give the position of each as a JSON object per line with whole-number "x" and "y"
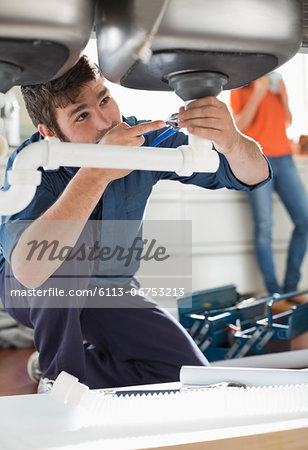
{"x": 224, "y": 326}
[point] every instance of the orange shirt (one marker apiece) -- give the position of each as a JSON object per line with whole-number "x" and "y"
{"x": 269, "y": 124}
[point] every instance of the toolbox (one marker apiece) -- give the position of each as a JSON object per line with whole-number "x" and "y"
{"x": 226, "y": 326}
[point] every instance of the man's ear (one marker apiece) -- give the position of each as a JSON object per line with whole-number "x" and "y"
{"x": 45, "y": 131}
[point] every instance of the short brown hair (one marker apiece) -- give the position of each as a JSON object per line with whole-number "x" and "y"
{"x": 42, "y": 99}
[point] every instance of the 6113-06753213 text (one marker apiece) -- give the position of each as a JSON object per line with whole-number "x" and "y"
{"x": 101, "y": 292}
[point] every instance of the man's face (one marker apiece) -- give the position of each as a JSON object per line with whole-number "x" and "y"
{"x": 94, "y": 113}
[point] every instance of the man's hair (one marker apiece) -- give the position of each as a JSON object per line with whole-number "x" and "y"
{"x": 42, "y": 99}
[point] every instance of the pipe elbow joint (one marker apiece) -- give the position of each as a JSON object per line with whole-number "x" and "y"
{"x": 25, "y": 177}
{"x": 188, "y": 161}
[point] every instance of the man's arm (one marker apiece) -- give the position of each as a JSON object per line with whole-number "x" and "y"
{"x": 211, "y": 119}
{"x": 65, "y": 219}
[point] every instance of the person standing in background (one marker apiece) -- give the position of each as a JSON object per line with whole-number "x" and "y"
{"x": 261, "y": 111}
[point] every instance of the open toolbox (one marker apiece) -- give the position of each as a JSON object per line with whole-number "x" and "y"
{"x": 225, "y": 326}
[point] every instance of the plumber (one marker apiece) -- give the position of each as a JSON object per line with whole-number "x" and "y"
{"x": 132, "y": 340}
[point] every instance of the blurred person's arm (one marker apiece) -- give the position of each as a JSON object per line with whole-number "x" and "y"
{"x": 246, "y": 116}
{"x": 281, "y": 90}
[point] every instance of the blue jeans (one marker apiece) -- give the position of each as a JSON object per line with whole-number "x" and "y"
{"x": 288, "y": 185}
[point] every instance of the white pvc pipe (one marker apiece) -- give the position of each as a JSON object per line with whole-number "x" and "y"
{"x": 205, "y": 159}
{"x": 114, "y": 156}
{"x": 17, "y": 198}
{"x": 23, "y": 178}
{"x": 269, "y": 398}
{"x": 249, "y": 376}
{"x": 295, "y": 359}
{"x": 4, "y": 148}
{"x": 51, "y": 154}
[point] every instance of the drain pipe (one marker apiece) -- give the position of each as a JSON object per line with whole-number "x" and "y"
{"x": 51, "y": 154}
{"x": 23, "y": 178}
{"x": 190, "y": 86}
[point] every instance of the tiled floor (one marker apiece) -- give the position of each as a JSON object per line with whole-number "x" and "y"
{"x": 13, "y": 372}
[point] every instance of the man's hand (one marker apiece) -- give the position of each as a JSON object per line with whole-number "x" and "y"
{"x": 260, "y": 87}
{"x": 282, "y": 91}
{"x": 123, "y": 134}
{"x": 210, "y": 118}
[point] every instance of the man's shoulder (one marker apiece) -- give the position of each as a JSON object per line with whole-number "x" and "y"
{"x": 36, "y": 137}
